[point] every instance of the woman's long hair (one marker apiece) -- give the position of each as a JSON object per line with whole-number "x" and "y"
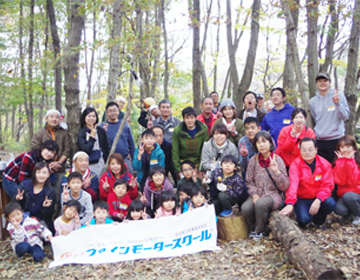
{"x": 347, "y": 140}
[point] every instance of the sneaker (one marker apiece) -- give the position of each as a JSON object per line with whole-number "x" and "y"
{"x": 258, "y": 236}
{"x": 356, "y": 221}
{"x": 226, "y": 213}
{"x": 322, "y": 226}
{"x": 252, "y": 234}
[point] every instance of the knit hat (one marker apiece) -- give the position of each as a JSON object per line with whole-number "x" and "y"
{"x": 227, "y": 102}
{"x": 52, "y": 111}
{"x": 251, "y": 92}
{"x": 188, "y": 111}
{"x": 152, "y": 107}
{"x": 120, "y": 98}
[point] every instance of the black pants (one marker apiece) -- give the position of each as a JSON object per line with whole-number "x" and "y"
{"x": 223, "y": 202}
{"x": 326, "y": 149}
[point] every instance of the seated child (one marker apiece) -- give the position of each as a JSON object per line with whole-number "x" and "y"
{"x": 154, "y": 186}
{"x": 136, "y": 211}
{"x": 167, "y": 205}
{"x": 226, "y": 186}
{"x": 75, "y": 181}
{"x": 198, "y": 198}
{"x": 119, "y": 200}
{"x": 189, "y": 171}
{"x": 25, "y": 232}
{"x": 101, "y": 212}
{"x": 70, "y": 220}
{"x": 184, "y": 191}
{"x": 147, "y": 155}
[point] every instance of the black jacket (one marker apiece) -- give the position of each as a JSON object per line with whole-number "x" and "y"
{"x": 143, "y": 120}
{"x": 87, "y": 145}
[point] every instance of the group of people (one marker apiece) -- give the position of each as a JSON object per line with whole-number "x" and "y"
{"x": 260, "y": 158}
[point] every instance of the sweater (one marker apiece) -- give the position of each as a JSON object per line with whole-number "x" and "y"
{"x": 118, "y": 206}
{"x": 329, "y": 117}
{"x": 30, "y": 231}
{"x": 152, "y": 195}
{"x": 239, "y": 125}
{"x": 86, "y": 143}
{"x": 234, "y": 184}
{"x": 346, "y": 176}
{"x": 60, "y": 225}
{"x": 86, "y": 212}
{"x": 186, "y": 148}
{"x": 168, "y": 126}
{"x": 275, "y": 120}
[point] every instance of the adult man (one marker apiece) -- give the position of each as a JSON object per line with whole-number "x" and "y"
{"x": 216, "y": 110}
{"x": 188, "y": 139}
{"x": 166, "y": 120}
{"x": 120, "y": 101}
{"x": 125, "y": 146}
{"x": 260, "y": 104}
{"x": 280, "y": 116}
{"x": 250, "y": 100}
{"x": 311, "y": 183}
{"x": 330, "y": 110}
{"x": 207, "y": 116}
{"x": 90, "y": 179}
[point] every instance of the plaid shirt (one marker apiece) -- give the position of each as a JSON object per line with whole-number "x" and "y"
{"x": 21, "y": 167}
{"x": 245, "y": 160}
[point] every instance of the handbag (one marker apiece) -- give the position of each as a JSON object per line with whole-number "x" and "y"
{"x": 94, "y": 156}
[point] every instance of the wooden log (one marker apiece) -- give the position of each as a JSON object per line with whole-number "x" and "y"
{"x": 232, "y": 227}
{"x": 301, "y": 252}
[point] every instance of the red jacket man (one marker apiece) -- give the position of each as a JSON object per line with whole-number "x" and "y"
{"x": 207, "y": 116}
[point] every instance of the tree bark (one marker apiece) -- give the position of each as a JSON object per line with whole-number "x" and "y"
{"x": 303, "y": 254}
{"x": 313, "y": 66}
{"x": 351, "y": 78}
{"x": 250, "y": 59}
{"x": 89, "y": 72}
{"x": 114, "y": 52}
{"x": 232, "y": 228}
{"x": 71, "y": 71}
{"x": 196, "y": 55}
{"x": 217, "y": 45}
{"x": 57, "y": 55}
{"x": 45, "y": 72}
{"x": 166, "y": 56}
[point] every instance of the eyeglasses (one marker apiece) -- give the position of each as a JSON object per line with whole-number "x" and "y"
{"x": 113, "y": 110}
{"x": 158, "y": 135}
{"x": 308, "y": 150}
{"x": 186, "y": 170}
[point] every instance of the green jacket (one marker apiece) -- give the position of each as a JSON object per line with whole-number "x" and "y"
{"x": 239, "y": 124}
{"x": 186, "y": 148}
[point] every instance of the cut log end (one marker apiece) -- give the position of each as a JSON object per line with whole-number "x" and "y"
{"x": 232, "y": 228}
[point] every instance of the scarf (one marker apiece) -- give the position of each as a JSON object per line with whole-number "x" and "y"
{"x": 265, "y": 162}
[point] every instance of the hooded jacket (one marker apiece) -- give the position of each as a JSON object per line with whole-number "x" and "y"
{"x": 346, "y": 176}
{"x": 186, "y": 148}
{"x": 152, "y": 195}
{"x": 201, "y": 118}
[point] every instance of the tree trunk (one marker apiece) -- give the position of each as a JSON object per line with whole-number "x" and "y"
{"x": 156, "y": 54}
{"x": 89, "y": 75}
{"x": 18, "y": 129}
{"x": 44, "y": 76}
{"x": 57, "y": 55}
{"x": 114, "y": 52}
{"x": 251, "y": 55}
{"x": 71, "y": 71}
{"x": 232, "y": 228}
{"x": 217, "y": 45}
{"x": 351, "y": 78}
{"x": 166, "y": 57}
{"x": 313, "y": 67}
{"x": 196, "y": 55}
{"x": 13, "y": 122}
{"x": 303, "y": 254}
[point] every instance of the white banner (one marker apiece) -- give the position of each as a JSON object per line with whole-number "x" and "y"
{"x": 192, "y": 232}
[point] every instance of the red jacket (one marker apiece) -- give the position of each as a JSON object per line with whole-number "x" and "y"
{"x": 288, "y": 147}
{"x": 202, "y": 119}
{"x": 304, "y": 184}
{"x": 117, "y": 206}
{"x": 133, "y": 193}
{"x": 347, "y": 176}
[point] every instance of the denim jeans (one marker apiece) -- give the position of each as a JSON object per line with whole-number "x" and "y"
{"x": 10, "y": 187}
{"x": 35, "y": 251}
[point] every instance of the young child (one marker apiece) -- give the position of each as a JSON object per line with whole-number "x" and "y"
{"x": 75, "y": 181}
{"x": 101, "y": 212}
{"x": 25, "y": 232}
{"x": 184, "y": 191}
{"x": 147, "y": 155}
{"x": 156, "y": 184}
{"x": 119, "y": 200}
{"x": 70, "y": 220}
{"x": 198, "y": 198}
{"x": 189, "y": 171}
{"x": 167, "y": 205}
{"x": 136, "y": 211}
{"x": 226, "y": 186}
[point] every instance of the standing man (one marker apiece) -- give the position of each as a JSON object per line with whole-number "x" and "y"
{"x": 120, "y": 101}
{"x": 125, "y": 146}
{"x": 215, "y": 97}
{"x": 207, "y": 116}
{"x": 261, "y": 103}
{"x": 330, "y": 110}
{"x": 166, "y": 121}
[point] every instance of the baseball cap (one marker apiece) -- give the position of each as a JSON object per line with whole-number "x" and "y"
{"x": 322, "y": 75}
{"x": 260, "y": 95}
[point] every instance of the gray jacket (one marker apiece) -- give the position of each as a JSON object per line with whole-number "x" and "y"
{"x": 328, "y": 116}
{"x": 167, "y": 126}
{"x": 210, "y": 151}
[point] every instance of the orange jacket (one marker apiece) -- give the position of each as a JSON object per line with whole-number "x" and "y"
{"x": 347, "y": 176}
{"x": 288, "y": 147}
{"x": 304, "y": 184}
{"x": 202, "y": 119}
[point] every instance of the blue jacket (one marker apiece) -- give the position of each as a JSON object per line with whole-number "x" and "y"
{"x": 157, "y": 158}
{"x": 275, "y": 120}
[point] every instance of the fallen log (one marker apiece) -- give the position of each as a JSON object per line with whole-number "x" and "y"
{"x": 300, "y": 251}
{"x": 232, "y": 227}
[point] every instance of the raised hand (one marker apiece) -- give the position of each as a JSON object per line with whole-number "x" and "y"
{"x": 274, "y": 165}
{"x": 243, "y": 150}
{"x": 87, "y": 223}
{"x": 132, "y": 183}
{"x": 336, "y": 97}
{"x": 143, "y": 198}
{"x": 47, "y": 202}
{"x": 144, "y": 214}
{"x": 106, "y": 185}
{"x": 194, "y": 176}
{"x": 20, "y": 195}
{"x": 268, "y": 108}
{"x": 15, "y": 223}
{"x": 66, "y": 193}
{"x": 140, "y": 151}
{"x": 93, "y": 131}
{"x": 231, "y": 128}
{"x": 339, "y": 154}
{"x": 86, "y": 183}
{"x": 77, "y": 219}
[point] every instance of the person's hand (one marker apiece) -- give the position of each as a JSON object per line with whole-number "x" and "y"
{"x": 86, "y": 183}
{"x": 219, "y": 115}
{"x": 143, "y": 198}
{"x": 191, "y": 207}
{"x": 77, "y": 219}
{"x": 339, "y": 154}
{"x": 20, "y": 195}
{"x": 255, "y": 198}
{"x": 144, "y": 214}
{"x": 93, "y": 131}
{"x": 125, "y": 221}
{"x": 336, "y": 97}
{"x": 105, "y": 126}
{"x": 243, "y": 151}
{"x": 206, "y": 204}
{"x": 274, "y": 166}
{"x": 286, "y": 211}
{"x": 47, "y": 202}
{"x": 315, "y": 207}
{"x": 150, "y": 123}
{"x": 140, "y": 151}
{"x": 194, "y": 176}
{"x": 132, "y": 183}
{"x": 49, "y": 237}
{"x": 64, "y": 232}
{"x": 268, "y": 108}
{"x": 293, "y": 132}
{"x": 105, "y": 185}
{"x": 55, "y": 165}
{"x": 231, "y": 128}
{"x": 120, "y": 215}
{"x": 66, "y": 193}
{"x": 157, "y": 216}
{"x": 15, "y": 223}
{"x": 87, "y": 223}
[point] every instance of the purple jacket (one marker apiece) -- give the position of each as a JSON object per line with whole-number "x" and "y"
{"x": 153, "y": 196}
{"x": 234, "y": 184}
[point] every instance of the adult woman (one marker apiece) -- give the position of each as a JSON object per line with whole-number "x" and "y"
{"x": 36, "y": 195}
{"x": 290, "y": 136}
{"x": 21, "y": 167}
{"x": 234, "y": 126}
{"x": 216, "y": 148}
{"x": 346, "y": 170}
{"x": 266, "y": 179}
{"x": 93, "y": 140}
